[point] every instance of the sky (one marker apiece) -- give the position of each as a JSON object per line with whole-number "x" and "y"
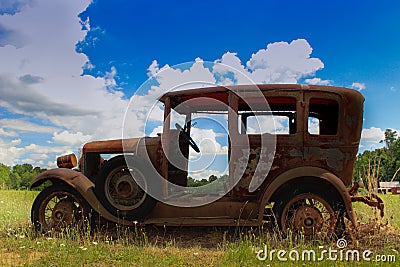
{"x": 68, "y": 69}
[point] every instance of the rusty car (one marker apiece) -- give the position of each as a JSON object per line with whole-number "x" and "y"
{"x": 304, "y": 189}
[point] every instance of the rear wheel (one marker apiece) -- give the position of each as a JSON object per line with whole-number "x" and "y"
{"x": 310, "y": 210}
{"x": 58, "y": 208}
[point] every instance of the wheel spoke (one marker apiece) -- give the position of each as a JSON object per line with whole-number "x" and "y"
{"x": 57, "y": 208}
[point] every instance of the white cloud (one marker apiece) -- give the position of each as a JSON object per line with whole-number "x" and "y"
{"x": 72, "y": 139}
{"x": 158, "y": 129}
{"x": 43, "y": 78}
{"x": 283, "y": 62}
{"x": 372, "y": 134}
{"x": 358, "y": 86}
{"x": 207, "y": 142}
{"x": 25, "y": 126}
{"x": 185, "y": 76}
{"x": 16, "y": 142}
{"x": 13, "y": 6}
{"x": 153, "y": 68}
{"x": 318, "y": 81}
{"x": 40, "y": 77}
{"x": 280, "y": 62}
{"x": 268, "y": 124}
{"x": 110, "y": 78}
{"x": 7, "y": 133}
{"x": 11, "y": 153}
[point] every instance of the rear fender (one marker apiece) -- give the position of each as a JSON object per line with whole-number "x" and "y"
{"x": 299, "y": 172}
{"x": 80, "y": 183}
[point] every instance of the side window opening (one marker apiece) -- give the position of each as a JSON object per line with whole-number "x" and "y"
{"x": 279, "y": 120}
{"x": 323, "y": 117}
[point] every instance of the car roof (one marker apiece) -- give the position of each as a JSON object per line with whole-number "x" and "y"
{"x": 219, "y": 92}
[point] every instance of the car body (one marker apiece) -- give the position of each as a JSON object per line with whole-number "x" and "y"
{"x": 315, "y": 149}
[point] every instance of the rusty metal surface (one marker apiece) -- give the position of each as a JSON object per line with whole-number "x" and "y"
{"x": 82, "y": 184}
{"x": 308, "y": 213}
{"x": 73, "y": 178}
{"x": 223, "y": 208}
{"x": 373, "y": 201}
{"x": 67, "y": 161}
{"x": 111, "y": 146}
{"x": 296, "y": 175}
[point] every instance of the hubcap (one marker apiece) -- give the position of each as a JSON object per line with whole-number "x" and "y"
{"x": 308, "y": 218}
{"x": 122, "y": 191}
{"x": 125, "y": 187}
{"x": 308, "y": 213}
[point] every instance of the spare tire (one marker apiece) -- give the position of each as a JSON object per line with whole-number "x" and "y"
{"x": 119, "y": 192}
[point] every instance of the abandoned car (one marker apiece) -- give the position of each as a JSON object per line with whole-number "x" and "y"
{"x": 303, "y": 188}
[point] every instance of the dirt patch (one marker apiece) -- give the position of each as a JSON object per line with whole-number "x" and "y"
{"x": 14, "y": 258}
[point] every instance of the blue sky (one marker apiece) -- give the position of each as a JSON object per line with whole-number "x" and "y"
{"x": 69, "y": 68}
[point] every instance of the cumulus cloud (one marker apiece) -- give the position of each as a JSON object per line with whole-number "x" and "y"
{"x": 31, "y": 79}
{"x": 153, "y": 69}
{"x": 73, "y": 139}
{"x": 318, "y": 81}
{"x": 110, "y": 78}
{"x": 283, "y": 62}
{"x": 280, "y": 62}
{"x": 12, "y": 153}
{"x": 358, "y": 86}
{"x": 372, "y": 134}
{"x": 6, "y": 133}
{"x": 43, "y": 77}
{"x": 13, "y": 6}
{"x": 207, "y": 142}
{"x": 25, "y": 126}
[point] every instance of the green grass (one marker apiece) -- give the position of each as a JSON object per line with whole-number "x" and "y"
{"x": 158, "y": 246}
{"x": 15, "y": 207}
{"x": 392, "y": 210}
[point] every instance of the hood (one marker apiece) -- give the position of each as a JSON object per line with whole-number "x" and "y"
{"x": 113, "y": 146}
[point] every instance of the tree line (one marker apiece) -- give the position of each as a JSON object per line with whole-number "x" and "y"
{"x": 18, "y": 177}
{"x": 382, "y": 164}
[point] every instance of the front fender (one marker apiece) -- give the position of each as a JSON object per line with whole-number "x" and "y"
{"x": 75, "y": 179}
{"x": 80, "y": 183}
{"x": 309, "y": 172}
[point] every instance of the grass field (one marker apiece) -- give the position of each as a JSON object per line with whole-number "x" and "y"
{"x": 198, "y": 246}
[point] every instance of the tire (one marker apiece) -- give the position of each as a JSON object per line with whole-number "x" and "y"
{"x": 118, "y": 191}
{"x": 310, "y": 209}
{"x": 60, "y": 208}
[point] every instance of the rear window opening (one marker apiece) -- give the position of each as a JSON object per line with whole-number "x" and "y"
{"x": 323, "y": 117}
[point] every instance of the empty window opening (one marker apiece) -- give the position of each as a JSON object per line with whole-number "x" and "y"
{"x": 323, "y": 116}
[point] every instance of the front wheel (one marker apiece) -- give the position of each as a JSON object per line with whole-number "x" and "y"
{"x": 58, "y": 208}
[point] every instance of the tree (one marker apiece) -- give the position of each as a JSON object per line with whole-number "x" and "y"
{"x": 390, "y": 137}
{"x": 19, "y": 176}
{"x": 382, "y": 163}
{"x": 212, "y": 178}
{"x": 5, "y": 172}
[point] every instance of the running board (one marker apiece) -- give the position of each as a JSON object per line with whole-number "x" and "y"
{"x": 200, "y": 221}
